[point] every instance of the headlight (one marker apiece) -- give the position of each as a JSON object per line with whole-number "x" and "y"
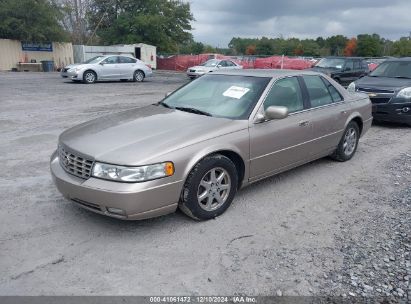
{"x": 351, "y": 87}
{"x": 132, "y": 174}
{"x": 405, "y": 93}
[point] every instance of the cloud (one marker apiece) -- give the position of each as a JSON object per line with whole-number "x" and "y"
{"x": 217, "y": 21}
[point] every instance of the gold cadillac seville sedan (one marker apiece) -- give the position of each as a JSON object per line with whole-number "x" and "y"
{"x": 194, "y": 149}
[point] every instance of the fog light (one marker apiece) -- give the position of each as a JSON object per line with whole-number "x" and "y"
{"x": 406, "y": 109}
{"x": 116, "y": 211}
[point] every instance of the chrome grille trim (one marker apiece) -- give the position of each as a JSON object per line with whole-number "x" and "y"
{"x": 375, "y": 91}
{"x": 75, "y": 164}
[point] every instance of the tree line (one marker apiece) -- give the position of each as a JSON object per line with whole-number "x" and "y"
{"x": 166, "y": 24}
{"x": 364, "y": 45}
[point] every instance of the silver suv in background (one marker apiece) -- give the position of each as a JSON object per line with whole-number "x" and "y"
{"x": 108, "y": 67}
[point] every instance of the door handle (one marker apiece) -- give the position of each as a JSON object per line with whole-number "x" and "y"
{"x": 304, "y": 123}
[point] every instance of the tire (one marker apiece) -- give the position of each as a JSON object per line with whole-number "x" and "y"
{"x": 89, "y": 77}
{"x": 210, "y": 188}
{"x": 348, "y": 143}
{"x": 138, "y": 76}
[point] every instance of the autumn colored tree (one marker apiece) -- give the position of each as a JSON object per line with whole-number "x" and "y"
{"x": 350, "y": 47}
{"x": 250, "y": 50}
{"x": 299, "y": 50}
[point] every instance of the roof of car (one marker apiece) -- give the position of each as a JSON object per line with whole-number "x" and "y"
{"x": 124, "y": 55}
{"x": 343, "y": 57}
{"x": 265, "y": 72}
{"x": 399, "y": 59}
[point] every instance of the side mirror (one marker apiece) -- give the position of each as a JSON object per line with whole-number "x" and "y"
{"x": 276, "y": 112}
{"x": 101, "y": 63}
{"x": 218, "y": 66}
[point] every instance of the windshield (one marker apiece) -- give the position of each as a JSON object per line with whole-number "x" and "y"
{"x": 94, "y": 59}
{"x": 335, "y": 63}
{"x": 393, "y": 69}
{"x": 211, "y": 63}
{"x": 228, "y": 96}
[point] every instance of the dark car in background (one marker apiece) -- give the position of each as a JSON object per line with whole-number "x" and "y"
{"x": 389, "y": 88}
{"x": 344, "y": 70}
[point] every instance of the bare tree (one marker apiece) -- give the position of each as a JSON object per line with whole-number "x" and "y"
{"x": 74, "y": 19}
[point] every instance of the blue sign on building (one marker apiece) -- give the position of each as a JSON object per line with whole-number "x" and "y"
{"x": 37, "y": 47}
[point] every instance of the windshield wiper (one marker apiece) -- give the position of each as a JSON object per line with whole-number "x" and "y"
{"x": 160, "y": 103}
{"x": 401, "y": 77}
{"x": 193, "y": 110}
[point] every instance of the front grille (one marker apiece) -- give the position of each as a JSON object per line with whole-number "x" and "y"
{"x": 373, "y": 90}
{"x": 75, "y": 164}
{"x": 192, "y": 71}
{"x": 380, "y": 99}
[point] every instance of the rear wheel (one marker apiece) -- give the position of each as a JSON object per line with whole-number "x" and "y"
{"x": 348, "y": 143}
{"x": 138, "y": 76}
{"x": 89, "y": 77}
{"x": 210, "y": 188}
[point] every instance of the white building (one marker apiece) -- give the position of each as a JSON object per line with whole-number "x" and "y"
{"x": 145, "y": 52}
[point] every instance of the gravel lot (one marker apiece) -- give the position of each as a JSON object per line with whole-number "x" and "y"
{"x": 326, "y": 228}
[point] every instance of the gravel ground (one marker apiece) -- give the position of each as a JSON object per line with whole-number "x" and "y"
{"x": 324, "y": 229}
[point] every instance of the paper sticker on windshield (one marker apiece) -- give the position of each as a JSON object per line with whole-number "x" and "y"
{"x": 235, "y": 92}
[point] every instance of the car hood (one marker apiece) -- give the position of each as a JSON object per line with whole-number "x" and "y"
{"x": 326, "y": 71}
{"x": 203, "y": 68}
{"x": 70, "y": 66}
{"x": 383, "y": 83}
{"x": 136, "y": 136}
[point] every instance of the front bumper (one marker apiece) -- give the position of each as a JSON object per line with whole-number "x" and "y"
{"x": 194, "y": 74}
{"x": 393, "y": 112}
{"x": 135, "y": 200}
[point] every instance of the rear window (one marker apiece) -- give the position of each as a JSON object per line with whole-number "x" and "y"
{"x": 127, "y": 60}
{"x": 317, "y": 91}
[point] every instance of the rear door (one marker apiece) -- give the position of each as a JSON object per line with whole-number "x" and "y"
{"x": 328, "y": 111}
{"x": 276, "y": 145}
{"x": 127, "y": 67}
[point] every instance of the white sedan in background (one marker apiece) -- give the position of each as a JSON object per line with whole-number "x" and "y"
{"x": 212, "y": 65}
{"x": 108, "y": 67}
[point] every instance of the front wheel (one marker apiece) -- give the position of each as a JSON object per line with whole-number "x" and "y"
{"x": 210, "y": 188}
{"x": 89, "y": 77}
{"x": 138, "y": 76}
{"x": 348, "y": 143}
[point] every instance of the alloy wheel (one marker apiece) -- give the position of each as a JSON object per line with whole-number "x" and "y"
{"x": 90, "y": 77}
{"x": 214, "y": 189}
{"x": 350, "y": 141}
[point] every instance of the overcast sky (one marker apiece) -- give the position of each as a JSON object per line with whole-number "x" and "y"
{"x": 217, "y": 21}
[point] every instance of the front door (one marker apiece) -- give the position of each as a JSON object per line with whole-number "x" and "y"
{"x": 110, "y": 68}
{"x": 279, "y": 144}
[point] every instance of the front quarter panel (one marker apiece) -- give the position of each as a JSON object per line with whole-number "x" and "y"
{"x": 186, "y": 158}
